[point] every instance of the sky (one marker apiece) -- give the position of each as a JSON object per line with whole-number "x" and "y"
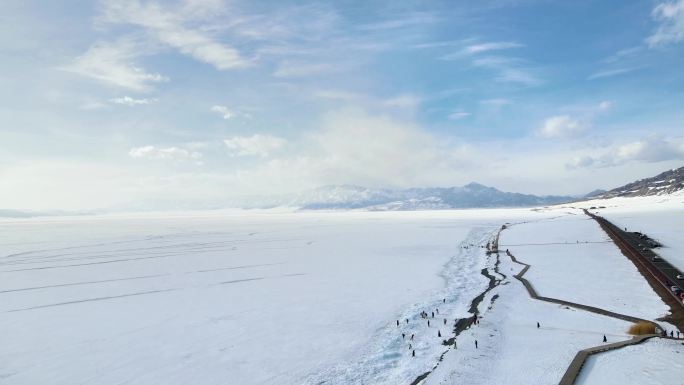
{"x": 136, "y": 104}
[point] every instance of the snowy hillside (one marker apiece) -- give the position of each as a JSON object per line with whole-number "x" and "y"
{"x": 664, "y": 183}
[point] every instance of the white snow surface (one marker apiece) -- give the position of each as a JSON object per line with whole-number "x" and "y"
{"x": 573, "y": 259}
{"x": 660, "y": 217}
{"x": 511, "y": 350}
{"x": 654, "y": 362}
{"x": 265, "y": 297}
{"x": 233, "y": 297}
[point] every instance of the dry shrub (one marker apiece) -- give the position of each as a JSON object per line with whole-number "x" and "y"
{"x": 640, "y": 328}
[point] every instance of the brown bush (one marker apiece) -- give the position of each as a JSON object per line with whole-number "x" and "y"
{"x": 641, "y": 327}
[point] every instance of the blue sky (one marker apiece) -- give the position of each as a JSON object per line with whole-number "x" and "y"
{"x": 195, "y": 103}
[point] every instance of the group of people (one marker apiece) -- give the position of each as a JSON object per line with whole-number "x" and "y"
{"x": 427, "y": 316}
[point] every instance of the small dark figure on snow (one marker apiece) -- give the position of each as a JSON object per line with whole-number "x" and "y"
{"x": 407, "y": 320}
{"x": 671, "y": 334}
{"x": 397, "y": 322}
{"x": 412, "y": 336}
{"x": 413, "y": 354}
{"x": 444, "y": 300}
{"x": 537, "y": 325}
{"x": 439, "y": 333}
{"x": 410, "y": 346}
{"x": 403, "y": 336}
{"x": 475, "y": 344}
{"x": 433, "y": 314}
{"x": 428, "y": 323}
{"x": 445, "y": 321}
{"x": 437, "y": 310}
{"x": 604, "y": 338}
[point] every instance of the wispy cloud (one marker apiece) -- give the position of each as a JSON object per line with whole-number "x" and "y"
{"x": 110, "y": 63}
{"x": 496, "y": 102}
{"x": 474, "y": 49}
{"x": 165, "y": 153}
{"x": 295, "y": 69}
{"x": 229, "y": 113}
{"x": 255, "y": 145}
{"x": 563, "y": 126}
{"x": 403, "y": 101}
{"x": 131, "y": 102}
{"x": 670, "y": 18}
{"x": 403, "y": 21}
{"x": 650, "y": 150}
{"x": 611, "y": 73}
{"x": 458, "y": 115}
{"x": 509, "y": 70}
{"x": 168, "y": 27}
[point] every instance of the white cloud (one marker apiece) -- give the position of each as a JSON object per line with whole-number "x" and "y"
{"x": 230, "y": 113}
{"x": 611, "y": 73}
{"x": 338, "y": 95}
{"x": 605, "y": 105}
{"x": 458, "y": 115}
{"x": 110, "y": 63}
{"x": 670, "y": 15}
{"x": 294, "y": 69}
{"x": 650, "y": 150}
{"x": 485, "y": 47}
{"x": 508, "y": 70}
{"x": 475, "y": 49}
{"x": 403, "y": 101}
{"x": 496, "y": 102}
{"x": 562, "y": 126}
{"x": 255, "y": 145}
{"x": 131, "y": 102}
{"x": 168, "y": 27}
{"x": 168, "y": 153}
{"x": 224, "y": 111}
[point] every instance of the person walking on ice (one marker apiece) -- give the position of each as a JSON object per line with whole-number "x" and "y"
{"x": 475, "y": 344}
{"x": 604, "y": 338}
{"x": 439, "y": 333}
{"x": 537, "y": 325}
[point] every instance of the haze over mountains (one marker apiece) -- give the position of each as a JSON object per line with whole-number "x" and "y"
{"x": 357, "y": 197}
{"x": 472, "y": 195}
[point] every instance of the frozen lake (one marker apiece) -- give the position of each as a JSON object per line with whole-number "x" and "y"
{"x": 232, "y": 297}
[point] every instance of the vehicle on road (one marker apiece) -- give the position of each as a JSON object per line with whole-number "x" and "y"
{"x": 680, "y": 276}
{"x": 656, "y": 258}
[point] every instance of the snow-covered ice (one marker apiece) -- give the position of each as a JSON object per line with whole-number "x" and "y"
{"x": 654, "y": 362}
{"x": 265, "y": 297}
{"x": 248, "y": 297}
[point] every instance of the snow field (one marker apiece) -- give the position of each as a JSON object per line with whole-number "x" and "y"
{"x": 660, "y": 217}
{"x": 249, "y": 297}
{"x": 511, "y": 350}
{"x": 574, "y": 260}
{"x": 654, "y": 362}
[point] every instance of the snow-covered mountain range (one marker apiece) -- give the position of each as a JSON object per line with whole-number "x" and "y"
{"x": 356, "y": 197}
